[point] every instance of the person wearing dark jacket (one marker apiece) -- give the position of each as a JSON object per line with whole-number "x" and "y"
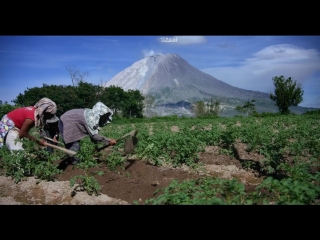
{"x": 76, "y": 124}
{"x": 50, "y": 130}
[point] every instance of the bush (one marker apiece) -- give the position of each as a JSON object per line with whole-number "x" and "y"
{"x": 5, "y": 108}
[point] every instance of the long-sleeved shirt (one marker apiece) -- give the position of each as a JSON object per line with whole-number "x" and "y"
{"x": 75, "y": 127}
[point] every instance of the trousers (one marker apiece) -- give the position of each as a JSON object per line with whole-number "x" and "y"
{"x": 11, "y": 140}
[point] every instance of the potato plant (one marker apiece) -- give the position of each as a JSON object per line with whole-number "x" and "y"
{"x": 274, "y": 137}
{"x": 203, "y": 191}
{"x": 34, "y": 161}
{"x": 86, "y": 183}
{"x": 289, "y": 146}
{"x": 114, "y": 160}
{"x": 86, "y": 153}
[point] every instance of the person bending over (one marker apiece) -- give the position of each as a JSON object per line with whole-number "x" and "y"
{"x": 76, "y": 124}
{"x": 16, "y": 124}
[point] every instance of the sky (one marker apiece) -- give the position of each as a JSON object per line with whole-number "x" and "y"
{"x": 247, "y": 62}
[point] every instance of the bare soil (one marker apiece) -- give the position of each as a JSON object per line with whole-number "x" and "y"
{"x": 135, "y": 181}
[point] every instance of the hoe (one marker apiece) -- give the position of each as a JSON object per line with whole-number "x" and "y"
{"x": 129, "y": 145}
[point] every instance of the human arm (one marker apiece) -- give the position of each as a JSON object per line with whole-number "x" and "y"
{"x": 99, "y": 138}
{"x": 24, "y": 132}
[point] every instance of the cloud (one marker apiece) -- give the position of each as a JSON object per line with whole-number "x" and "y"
{"x": 147, "y": 53}
{"x": 185, "y": 40}
{"x": 256, "y": 72}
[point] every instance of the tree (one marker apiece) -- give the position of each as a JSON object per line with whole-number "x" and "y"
{"x": 286, "y": 94}
{"x": 88, "y": 94}
{"x": 85, "y": 95}
{"x": 5, "y": 108}
{"x": 199, "y": 109}
{"x": 214, "y": 107}
{"x": 65, "y": 97}
{"x": 149, "y": 103}
{"x": 114, "y": 98}
{"x": 248, "y": 108}
{"x": 30, "y": 97}
{"x": 76, "y": 75}
{"x": 133, "y": 104}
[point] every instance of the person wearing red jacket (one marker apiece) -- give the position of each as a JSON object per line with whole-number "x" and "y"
{"x": 16, "y": 124}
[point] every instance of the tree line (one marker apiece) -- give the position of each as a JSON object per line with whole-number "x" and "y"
{"x": 287, "y": 93}
{"x": 131, "y": 103}
{"x": 83, "y": 95}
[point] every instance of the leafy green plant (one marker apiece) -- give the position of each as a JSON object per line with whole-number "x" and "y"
{"x": 86, "y": 153}
{"x": 203, "y": 191}
{"x": 14, "y": 164}
{"x": 33, "y": 161}
{"x": 87, "y": 183}
{"x": 46, "y": 169}
{"x": 288, "y": 144}
{"x": 114, "y": 160}
{"x": 247, "y": 164}
{"x": 298, "y": 171}
{"x": 288, "y": 191}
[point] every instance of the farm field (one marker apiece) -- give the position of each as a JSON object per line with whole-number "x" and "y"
{"x": 239, "y": 160}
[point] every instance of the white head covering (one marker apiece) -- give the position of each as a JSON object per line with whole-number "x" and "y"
{"x": 92, "y": 116}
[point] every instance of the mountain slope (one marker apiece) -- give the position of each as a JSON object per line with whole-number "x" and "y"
{"x": 161, "y": 73}
{"x": 173, "y": 80}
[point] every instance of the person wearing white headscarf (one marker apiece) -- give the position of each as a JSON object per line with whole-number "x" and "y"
{"x": 16, "y": 124}
{"x": 76, "y": 124}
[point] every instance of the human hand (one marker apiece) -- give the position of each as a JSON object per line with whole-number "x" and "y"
{"x": 42, "y": 142}
{"x": 55, "y": 138}
{"x": 112, "y": 142}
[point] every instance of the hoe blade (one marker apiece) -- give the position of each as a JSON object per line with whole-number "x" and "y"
{"x": 130, "y": 144}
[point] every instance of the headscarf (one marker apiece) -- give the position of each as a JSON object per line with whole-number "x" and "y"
{"x": 54, "y": 119}
{"x": 92, "y": 116}
{"x": 44, "y": 105}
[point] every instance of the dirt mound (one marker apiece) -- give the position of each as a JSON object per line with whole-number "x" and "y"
{"x": 33, "y": 192}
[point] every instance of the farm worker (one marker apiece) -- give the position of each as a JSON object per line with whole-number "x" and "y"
{"x": 50, "y": 129}
{"x": 16, "y": 124}
{"x": 76, "y": 124}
